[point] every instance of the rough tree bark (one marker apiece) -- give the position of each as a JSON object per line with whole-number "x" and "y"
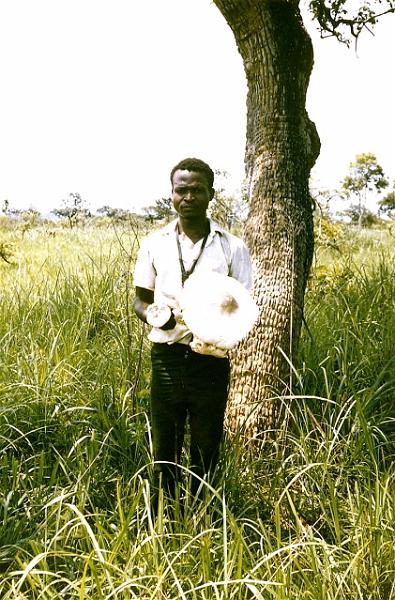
{"x": 281, "y": 147}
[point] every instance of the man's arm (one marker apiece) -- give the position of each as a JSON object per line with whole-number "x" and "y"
{"x": 143, "y": 299}
{"x": 141, "y": 302}
{"x": 241, "y": 267}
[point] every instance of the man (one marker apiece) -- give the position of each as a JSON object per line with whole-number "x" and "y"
{"x": 185, "y": 383}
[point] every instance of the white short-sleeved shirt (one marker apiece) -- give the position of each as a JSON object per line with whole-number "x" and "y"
{"x": 158, "y": 268}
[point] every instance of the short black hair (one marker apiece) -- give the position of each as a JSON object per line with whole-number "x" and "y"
{"x": 196, "y": 165}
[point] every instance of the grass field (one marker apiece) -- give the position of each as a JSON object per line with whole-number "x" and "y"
{"x": 313, "y": 517}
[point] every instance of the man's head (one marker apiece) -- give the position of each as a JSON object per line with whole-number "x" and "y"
{"x": 192, "y": 188}
{"x": 197, "y": 166}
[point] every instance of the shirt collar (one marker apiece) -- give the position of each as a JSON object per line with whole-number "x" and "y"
{"x": 214, "y": 228}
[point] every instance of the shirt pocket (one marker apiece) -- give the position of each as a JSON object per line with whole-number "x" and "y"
{"x": 214, "y": 263}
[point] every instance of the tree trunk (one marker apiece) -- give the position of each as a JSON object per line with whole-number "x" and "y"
{"x": 281, "y": 147}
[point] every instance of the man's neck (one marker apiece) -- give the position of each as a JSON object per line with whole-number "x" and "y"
{"x": 194, "y": 229}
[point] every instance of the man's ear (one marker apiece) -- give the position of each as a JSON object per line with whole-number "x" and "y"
{"x": 212, "y": 193}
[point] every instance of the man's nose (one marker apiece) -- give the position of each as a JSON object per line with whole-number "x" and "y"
{"x": 189, "y": 195}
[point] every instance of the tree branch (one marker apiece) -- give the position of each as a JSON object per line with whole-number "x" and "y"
{"x": 335, "y": 17}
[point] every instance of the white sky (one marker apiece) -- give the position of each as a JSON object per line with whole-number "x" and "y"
{"x": 103, "y": 97}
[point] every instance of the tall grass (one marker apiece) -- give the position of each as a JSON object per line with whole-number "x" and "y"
{"x": 311, "y": 518}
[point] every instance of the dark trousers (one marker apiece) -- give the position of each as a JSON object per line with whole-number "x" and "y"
{"x": 186, "y": 385}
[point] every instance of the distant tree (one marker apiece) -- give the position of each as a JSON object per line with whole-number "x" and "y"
{"x": 24, "y": 219}
{"x": 228, "y": 210}
{"x": 115, "y": 214}
{"x": 365, "y": 175}
{"x": 387, "y": 204}
{"x": 30, "y": 218}
{"x": 321, "y": 199}
{"x": 73, "y": 209}
{"x": 5, "y": 206}
{"x": 162, "y": 210}
{"x": 8, "y": 211}
{"x": 366, "y": 218}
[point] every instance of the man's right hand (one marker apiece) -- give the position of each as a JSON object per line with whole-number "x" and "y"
{"x": 141, "y": 302}
{"x": 171, "y": 323}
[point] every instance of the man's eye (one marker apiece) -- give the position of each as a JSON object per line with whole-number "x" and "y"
{"x": 192, "y": 190}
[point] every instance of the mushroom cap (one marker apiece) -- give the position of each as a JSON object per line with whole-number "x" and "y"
{"x": 217, "y": 309}
{"x": 158, "y": 314}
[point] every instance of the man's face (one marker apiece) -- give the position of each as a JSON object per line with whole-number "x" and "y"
{"x": 191, "y": 194}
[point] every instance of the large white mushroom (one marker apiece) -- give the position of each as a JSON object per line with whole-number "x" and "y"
{"x": 218, "y": 310}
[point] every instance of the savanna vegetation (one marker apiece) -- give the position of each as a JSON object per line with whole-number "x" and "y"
{"x": 311, "y": 517}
